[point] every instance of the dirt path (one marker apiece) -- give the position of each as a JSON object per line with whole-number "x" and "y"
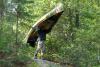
{"x": 45, "y": 63}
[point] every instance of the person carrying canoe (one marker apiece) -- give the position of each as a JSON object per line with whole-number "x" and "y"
{"x": 40, "y": 43}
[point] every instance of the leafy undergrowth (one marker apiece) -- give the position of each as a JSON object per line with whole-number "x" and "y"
{"x": 13, "y": 56}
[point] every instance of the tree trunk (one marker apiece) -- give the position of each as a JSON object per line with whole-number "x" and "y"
{"x": 77, "y": 19}
{"x": 70, "y": 33}
{"x": 1, "y": 15}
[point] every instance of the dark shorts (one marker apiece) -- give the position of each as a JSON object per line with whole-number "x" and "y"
{"x": 41, "y": 35}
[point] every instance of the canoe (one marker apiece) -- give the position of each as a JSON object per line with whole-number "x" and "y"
{"x": 46, "y": 23}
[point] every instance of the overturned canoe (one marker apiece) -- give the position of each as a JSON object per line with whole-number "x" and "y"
{"x": 45, "y": 23}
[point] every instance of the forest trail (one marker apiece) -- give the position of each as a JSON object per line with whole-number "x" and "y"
{"x": 46, "y": 63}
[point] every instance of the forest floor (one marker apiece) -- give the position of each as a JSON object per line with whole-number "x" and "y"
{"x": 14, "y": 60}
{"x": 46, "y": 63}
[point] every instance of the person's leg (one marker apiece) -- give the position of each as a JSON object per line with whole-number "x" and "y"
{"x": 39, "y": 46}
{"x": 42, "y": 49}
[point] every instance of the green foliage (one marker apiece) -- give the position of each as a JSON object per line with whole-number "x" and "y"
{"x": 67, "y": 42}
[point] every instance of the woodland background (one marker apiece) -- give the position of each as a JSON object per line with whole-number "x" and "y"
{"x": 75, "y": 39}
